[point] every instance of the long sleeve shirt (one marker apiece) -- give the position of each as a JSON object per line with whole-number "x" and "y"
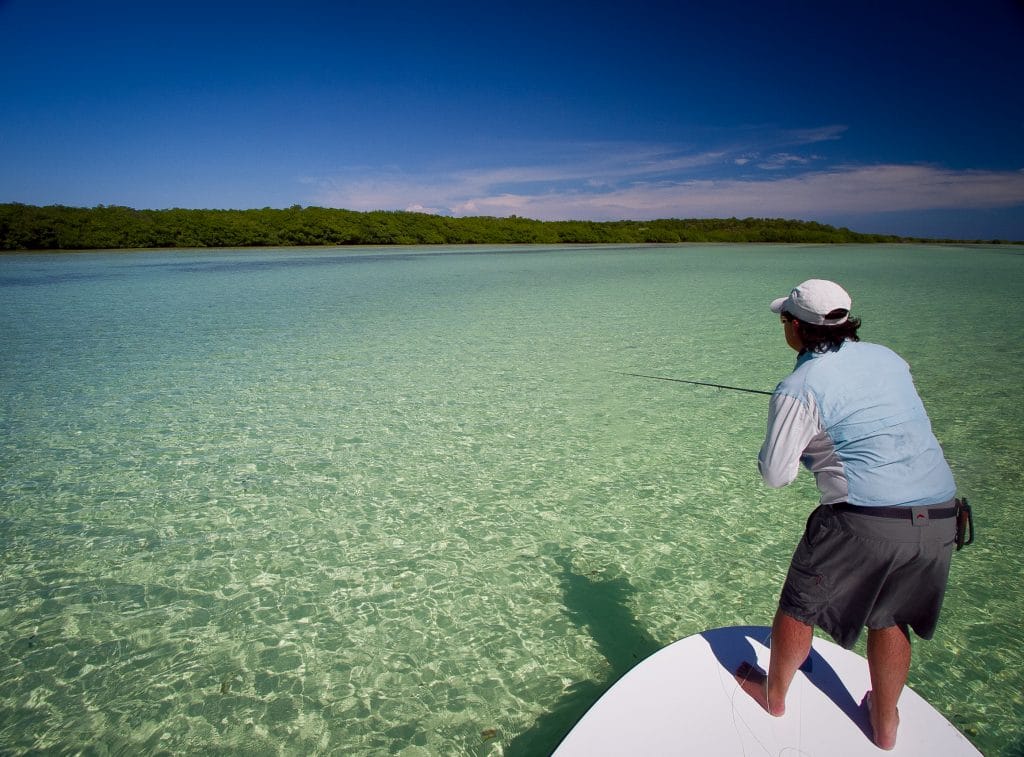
{"x": 854, "y": 419}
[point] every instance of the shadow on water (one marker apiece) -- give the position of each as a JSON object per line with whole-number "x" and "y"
{"x": 602, "y": 607}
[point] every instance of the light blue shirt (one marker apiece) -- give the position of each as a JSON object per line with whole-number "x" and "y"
{"x": 854, "y": 419}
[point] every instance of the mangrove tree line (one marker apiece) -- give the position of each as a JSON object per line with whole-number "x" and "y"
{"x": 58, "y": 227}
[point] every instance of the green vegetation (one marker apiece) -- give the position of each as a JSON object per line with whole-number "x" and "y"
{"x": 57, "y": 227}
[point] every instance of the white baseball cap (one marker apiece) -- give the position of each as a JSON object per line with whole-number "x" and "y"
{"x": 816, "y": 301}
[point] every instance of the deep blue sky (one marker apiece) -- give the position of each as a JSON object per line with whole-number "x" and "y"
{"x": 900, "y": 116}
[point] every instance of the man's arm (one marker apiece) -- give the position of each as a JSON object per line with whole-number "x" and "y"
{"x": 790, "y": 428}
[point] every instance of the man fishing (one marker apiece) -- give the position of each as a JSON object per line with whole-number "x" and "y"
{"x": 876, "y": 551}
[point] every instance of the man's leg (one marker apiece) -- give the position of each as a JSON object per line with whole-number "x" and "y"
{"x": 889, "y": 663}
{"x": 791, "y": 643}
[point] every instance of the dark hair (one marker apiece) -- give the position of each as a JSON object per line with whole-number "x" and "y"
{"x": 826, "y": 338}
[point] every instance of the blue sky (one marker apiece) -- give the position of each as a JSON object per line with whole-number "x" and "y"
{"x": 900, "y": 117}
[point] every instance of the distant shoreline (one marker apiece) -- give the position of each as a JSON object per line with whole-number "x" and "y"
{"x": 59, "y": 228}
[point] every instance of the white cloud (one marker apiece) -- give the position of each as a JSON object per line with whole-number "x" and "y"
{"x": 607, "y": 182}
{"x": 417, "y": 208}
{"x": 852, "y": 190}
{"x": 782, "y": 160}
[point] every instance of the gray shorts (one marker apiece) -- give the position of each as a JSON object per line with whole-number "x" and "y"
{"x": 852, "y": 570}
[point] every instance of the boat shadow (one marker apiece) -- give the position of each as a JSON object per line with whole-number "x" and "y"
{"x": 602, "y": 607}
{"x": 733, "y": 646}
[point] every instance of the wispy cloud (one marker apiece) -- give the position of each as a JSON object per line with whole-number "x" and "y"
{"x": 850, "y": 190}
{"x": 600, "y": 181}
{"x": 783, "y": 160}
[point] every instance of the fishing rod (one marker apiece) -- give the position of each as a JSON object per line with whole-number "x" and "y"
{"x": 698, "y": 383}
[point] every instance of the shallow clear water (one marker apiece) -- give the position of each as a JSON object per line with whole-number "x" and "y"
{"x": 405, "y": 501}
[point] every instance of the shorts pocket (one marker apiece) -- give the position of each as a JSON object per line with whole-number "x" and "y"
{"x": 819, "y": 523}
{"x": 805, "y": 593}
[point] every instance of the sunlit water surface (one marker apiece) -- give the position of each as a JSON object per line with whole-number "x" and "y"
{"x": 361, "y": 501}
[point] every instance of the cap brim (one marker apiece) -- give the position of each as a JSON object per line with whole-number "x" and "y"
{"x": 777, "y": 305}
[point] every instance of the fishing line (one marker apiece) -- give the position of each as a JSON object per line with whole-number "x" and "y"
{"x": 698, "y": 383}
{"x": 738, "y": 719}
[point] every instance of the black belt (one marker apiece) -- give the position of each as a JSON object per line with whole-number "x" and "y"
{"x": 905, "y": 512}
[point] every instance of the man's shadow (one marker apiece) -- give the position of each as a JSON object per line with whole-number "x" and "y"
{"x": 602, "y": 607}
{"x": 732, "y": 646}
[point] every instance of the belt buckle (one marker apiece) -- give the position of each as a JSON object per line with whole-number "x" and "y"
{"x": 919, "y": 516}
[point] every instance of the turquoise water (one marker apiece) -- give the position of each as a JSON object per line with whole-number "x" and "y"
{"x": 371, "y": 501}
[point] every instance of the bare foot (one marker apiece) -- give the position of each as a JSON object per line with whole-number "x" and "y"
{"x": 884, "y": 729}
{"x": 754, "y": 681}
